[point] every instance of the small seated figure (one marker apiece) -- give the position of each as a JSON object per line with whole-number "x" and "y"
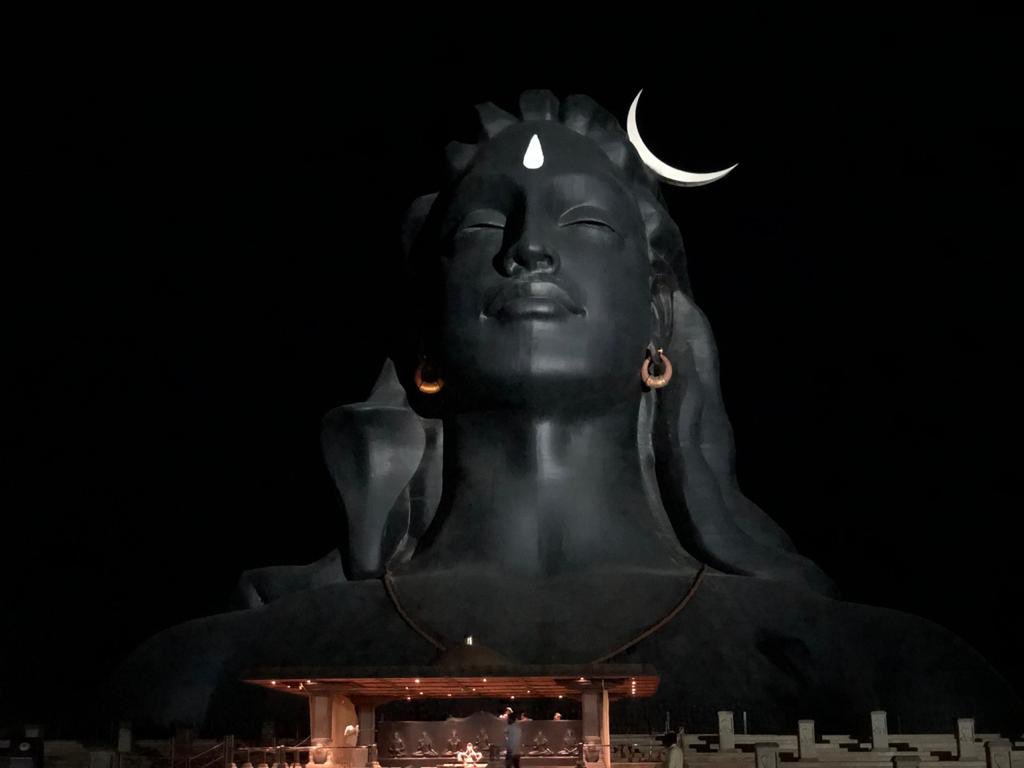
{"x": 453, "y": 744}
{"x": 425, "y": 746}
{"x": 469, "y": 757}
{"x": 483, "y": 740}
{"x": 540, "y": 745}
{"x": 396, "y": 747}
{"x": 570, "y": 744}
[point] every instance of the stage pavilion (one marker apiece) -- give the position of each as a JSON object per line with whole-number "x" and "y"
{"x": 343, "y": 702}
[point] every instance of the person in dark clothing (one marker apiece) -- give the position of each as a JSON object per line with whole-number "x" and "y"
{"x": 513, "y": 742}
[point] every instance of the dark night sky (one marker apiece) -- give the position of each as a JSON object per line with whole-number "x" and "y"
{"x": 210, "y": 228}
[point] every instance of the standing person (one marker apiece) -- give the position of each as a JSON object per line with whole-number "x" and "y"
{"x": 513, "y": 742}
{"x": 673, "y": 753}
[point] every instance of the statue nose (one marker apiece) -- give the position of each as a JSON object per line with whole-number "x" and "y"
{"x": 531, "y": 254}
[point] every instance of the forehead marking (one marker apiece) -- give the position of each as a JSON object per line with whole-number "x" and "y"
{"x": 534, "y": 157}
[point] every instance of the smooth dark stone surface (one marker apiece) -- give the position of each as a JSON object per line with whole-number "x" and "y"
{"x": 543, "y": 499}
{"x": 785, "y": 653}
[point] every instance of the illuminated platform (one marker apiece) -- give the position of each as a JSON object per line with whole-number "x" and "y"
{"x": 393, "y": 683}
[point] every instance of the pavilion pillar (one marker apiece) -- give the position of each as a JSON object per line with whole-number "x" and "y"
{"x": 366, "y": 714}
{"x": 321, "y": 728}
{"x": 590, "y": 710}
{"x": 606, "y": 731}
{"x": 596, "y": 733}
{"x": 321, "y": 725}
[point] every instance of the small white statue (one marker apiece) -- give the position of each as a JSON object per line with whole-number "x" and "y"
{"x": 468, "y": 757}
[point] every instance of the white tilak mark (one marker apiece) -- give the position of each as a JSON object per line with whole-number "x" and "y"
{"x": 534, "y": 157}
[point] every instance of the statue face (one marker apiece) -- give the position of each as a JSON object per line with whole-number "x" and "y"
{"x": 545, "y": 276}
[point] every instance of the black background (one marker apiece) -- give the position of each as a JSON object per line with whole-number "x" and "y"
{"x": 210, "y": 224}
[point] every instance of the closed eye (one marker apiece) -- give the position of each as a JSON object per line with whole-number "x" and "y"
{"x": 588, "y": 223}
{"x": 483, "y": 219}
{"x": 585, "y": 216}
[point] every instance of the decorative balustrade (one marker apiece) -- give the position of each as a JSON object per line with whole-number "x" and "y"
{"x": 961, "y": 747}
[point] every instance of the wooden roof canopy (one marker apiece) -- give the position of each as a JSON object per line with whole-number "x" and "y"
{"x": 534, "y": 682}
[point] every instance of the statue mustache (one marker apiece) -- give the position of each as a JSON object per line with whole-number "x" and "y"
{"x": 539, "y": 289}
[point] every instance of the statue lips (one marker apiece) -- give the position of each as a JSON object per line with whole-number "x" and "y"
{"x": 530, "y": 299}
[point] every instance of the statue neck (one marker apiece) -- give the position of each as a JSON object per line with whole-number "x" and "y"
{"x": 540, "y": 495}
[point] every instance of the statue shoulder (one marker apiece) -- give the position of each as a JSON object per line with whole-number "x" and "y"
{"x": 259, "y": 586}
{"x": 809, "y": 651}
{"x": 194, "y": 672}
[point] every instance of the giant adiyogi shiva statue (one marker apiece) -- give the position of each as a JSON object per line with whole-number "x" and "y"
{"x": 546, "y": 463}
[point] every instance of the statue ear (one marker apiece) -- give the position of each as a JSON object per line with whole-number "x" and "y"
{"x": 662, "y": 288}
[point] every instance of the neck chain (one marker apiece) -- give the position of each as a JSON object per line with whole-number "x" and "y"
{"x": 389, "y": 587}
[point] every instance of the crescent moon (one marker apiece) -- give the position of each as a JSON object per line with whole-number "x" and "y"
{"x": 672, "y": 175}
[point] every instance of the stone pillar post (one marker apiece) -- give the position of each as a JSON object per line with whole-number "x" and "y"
{"x": 967, "y": 747}
{"x": 879, "y": 730}
{"x": 766, "y": 755}
{"x": 124, "y": 737}
{"x": 229, "y": 751}
{"x": 726, "y": 732}
{"x": 805, "y": 740}
{"x": 183, "y": 742}
{"x": 997, "y": 753}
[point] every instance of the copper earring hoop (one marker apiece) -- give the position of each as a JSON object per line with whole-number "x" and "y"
{"x": 427, "y": 387}
{"x": 659, "y": 381}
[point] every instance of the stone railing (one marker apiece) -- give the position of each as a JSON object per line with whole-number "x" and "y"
{"x": 962, "y": 747}
{"x": 728, "y": 749}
